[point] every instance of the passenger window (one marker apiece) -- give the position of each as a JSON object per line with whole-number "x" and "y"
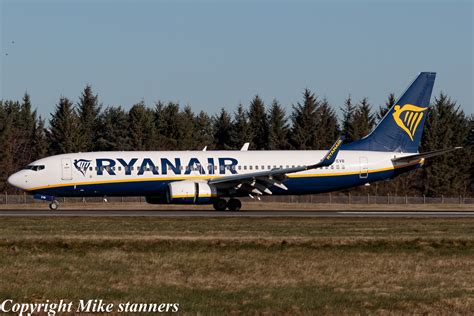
{"x": 250, "y": 167}
{"x": 256, "y": 167}
{"x": 245, "y": 167}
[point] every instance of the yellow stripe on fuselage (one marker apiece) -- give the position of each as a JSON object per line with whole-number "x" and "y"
{"x": 207, "y": 177}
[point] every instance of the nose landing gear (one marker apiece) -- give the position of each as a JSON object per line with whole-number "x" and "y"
{"x": 53, "y": 206}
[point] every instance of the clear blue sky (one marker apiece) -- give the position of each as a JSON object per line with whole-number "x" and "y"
{"x": 213, "y": 54}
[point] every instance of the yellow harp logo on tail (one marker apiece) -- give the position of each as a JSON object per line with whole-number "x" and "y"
{"x": 408, "y": 117}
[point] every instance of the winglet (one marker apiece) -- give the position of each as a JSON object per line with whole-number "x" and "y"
{"x": 331, "y": 155}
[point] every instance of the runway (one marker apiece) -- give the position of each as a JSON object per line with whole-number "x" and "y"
{"x": 200, "y": 213}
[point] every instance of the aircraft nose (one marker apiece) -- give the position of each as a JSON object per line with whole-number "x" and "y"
{"x": 17, "y": 180}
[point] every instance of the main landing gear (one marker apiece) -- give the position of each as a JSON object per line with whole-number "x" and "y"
{"x": 232, "y": 205}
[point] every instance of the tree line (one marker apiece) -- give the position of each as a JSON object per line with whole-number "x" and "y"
{"x": 311, "y": 124}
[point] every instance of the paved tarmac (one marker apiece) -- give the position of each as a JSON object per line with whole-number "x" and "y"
{"x": 200, "y": 213}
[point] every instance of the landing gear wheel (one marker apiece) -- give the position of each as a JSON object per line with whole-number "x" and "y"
{"x": 234, "y": 205}
{"x": 53, "y": 206}
{"x": 220, "y": 205}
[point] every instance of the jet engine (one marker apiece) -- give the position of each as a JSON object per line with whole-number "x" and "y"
{"x": 190, "y": 192}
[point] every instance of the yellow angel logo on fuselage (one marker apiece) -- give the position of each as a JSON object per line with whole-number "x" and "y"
{"x": 408, "y": 117}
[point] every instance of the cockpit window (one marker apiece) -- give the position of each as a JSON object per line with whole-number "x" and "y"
{"x": 34, "y": 167}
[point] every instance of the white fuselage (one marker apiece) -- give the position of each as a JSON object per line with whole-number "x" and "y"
{"x": 148, "y": 172}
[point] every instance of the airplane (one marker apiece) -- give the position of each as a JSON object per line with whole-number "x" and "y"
{"x": 221, "y": 177}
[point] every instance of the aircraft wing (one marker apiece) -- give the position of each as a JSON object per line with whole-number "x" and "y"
{"x": 429, "y": 154}
{"x": 260, "y": 182}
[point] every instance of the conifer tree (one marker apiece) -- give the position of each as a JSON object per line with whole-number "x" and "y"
{"x": 142, "y": 127}
{"x": 240, "y": 132}
{"x": 186, "y": 130}
{"x": 363, "y": 120}
{"x": 222, "y": 128}
{"x": 114, "y": 130}
{"x": 204, "y": 130}
{"x": 88, "y": 110}
{"x": 348, "y": 119}
{"x": 304, "y": 120}
{"x": 27, "y": 120}
{"x": 169, "y": 122}
{"x": 470, "y": 141}
{"x": 6, "y": 145}
{"x": 161, "y": 126}
{"x": 258, "y": 124}
{"x": 24, "y": 128}
{"x": 40, "y": 145}
{"x": 388, "y": 105}
{"x": 64, "y": 134}
{"x": 446, "y": 127}
{"x": 279, "y": 129}
{"x": 327, "y": 127}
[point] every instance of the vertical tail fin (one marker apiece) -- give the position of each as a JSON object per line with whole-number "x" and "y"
{"x": 401, "y": 128}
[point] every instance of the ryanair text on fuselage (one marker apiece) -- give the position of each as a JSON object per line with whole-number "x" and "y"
{"x": 157, "y": 166}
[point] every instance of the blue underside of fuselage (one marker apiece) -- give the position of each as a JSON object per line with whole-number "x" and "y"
{"x": 296, "y": 186}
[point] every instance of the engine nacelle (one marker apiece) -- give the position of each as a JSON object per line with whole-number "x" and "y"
{"x": 190, "y": 192}
{"x": 156, "y": 199}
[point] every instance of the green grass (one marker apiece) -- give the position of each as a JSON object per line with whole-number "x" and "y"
{"x": 241, "y": 265}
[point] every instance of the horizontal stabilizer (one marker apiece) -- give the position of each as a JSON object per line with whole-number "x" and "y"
{"x": 429, "y": 154}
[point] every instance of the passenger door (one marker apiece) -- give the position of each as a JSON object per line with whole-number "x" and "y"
{"x": 364, "y": 167}
{"x": 66, "y": 169}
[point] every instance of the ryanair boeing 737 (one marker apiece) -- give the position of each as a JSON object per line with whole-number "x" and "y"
{"x": 221, "y": 177}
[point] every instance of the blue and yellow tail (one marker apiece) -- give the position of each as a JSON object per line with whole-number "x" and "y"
{"x": 401, "y": 128}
